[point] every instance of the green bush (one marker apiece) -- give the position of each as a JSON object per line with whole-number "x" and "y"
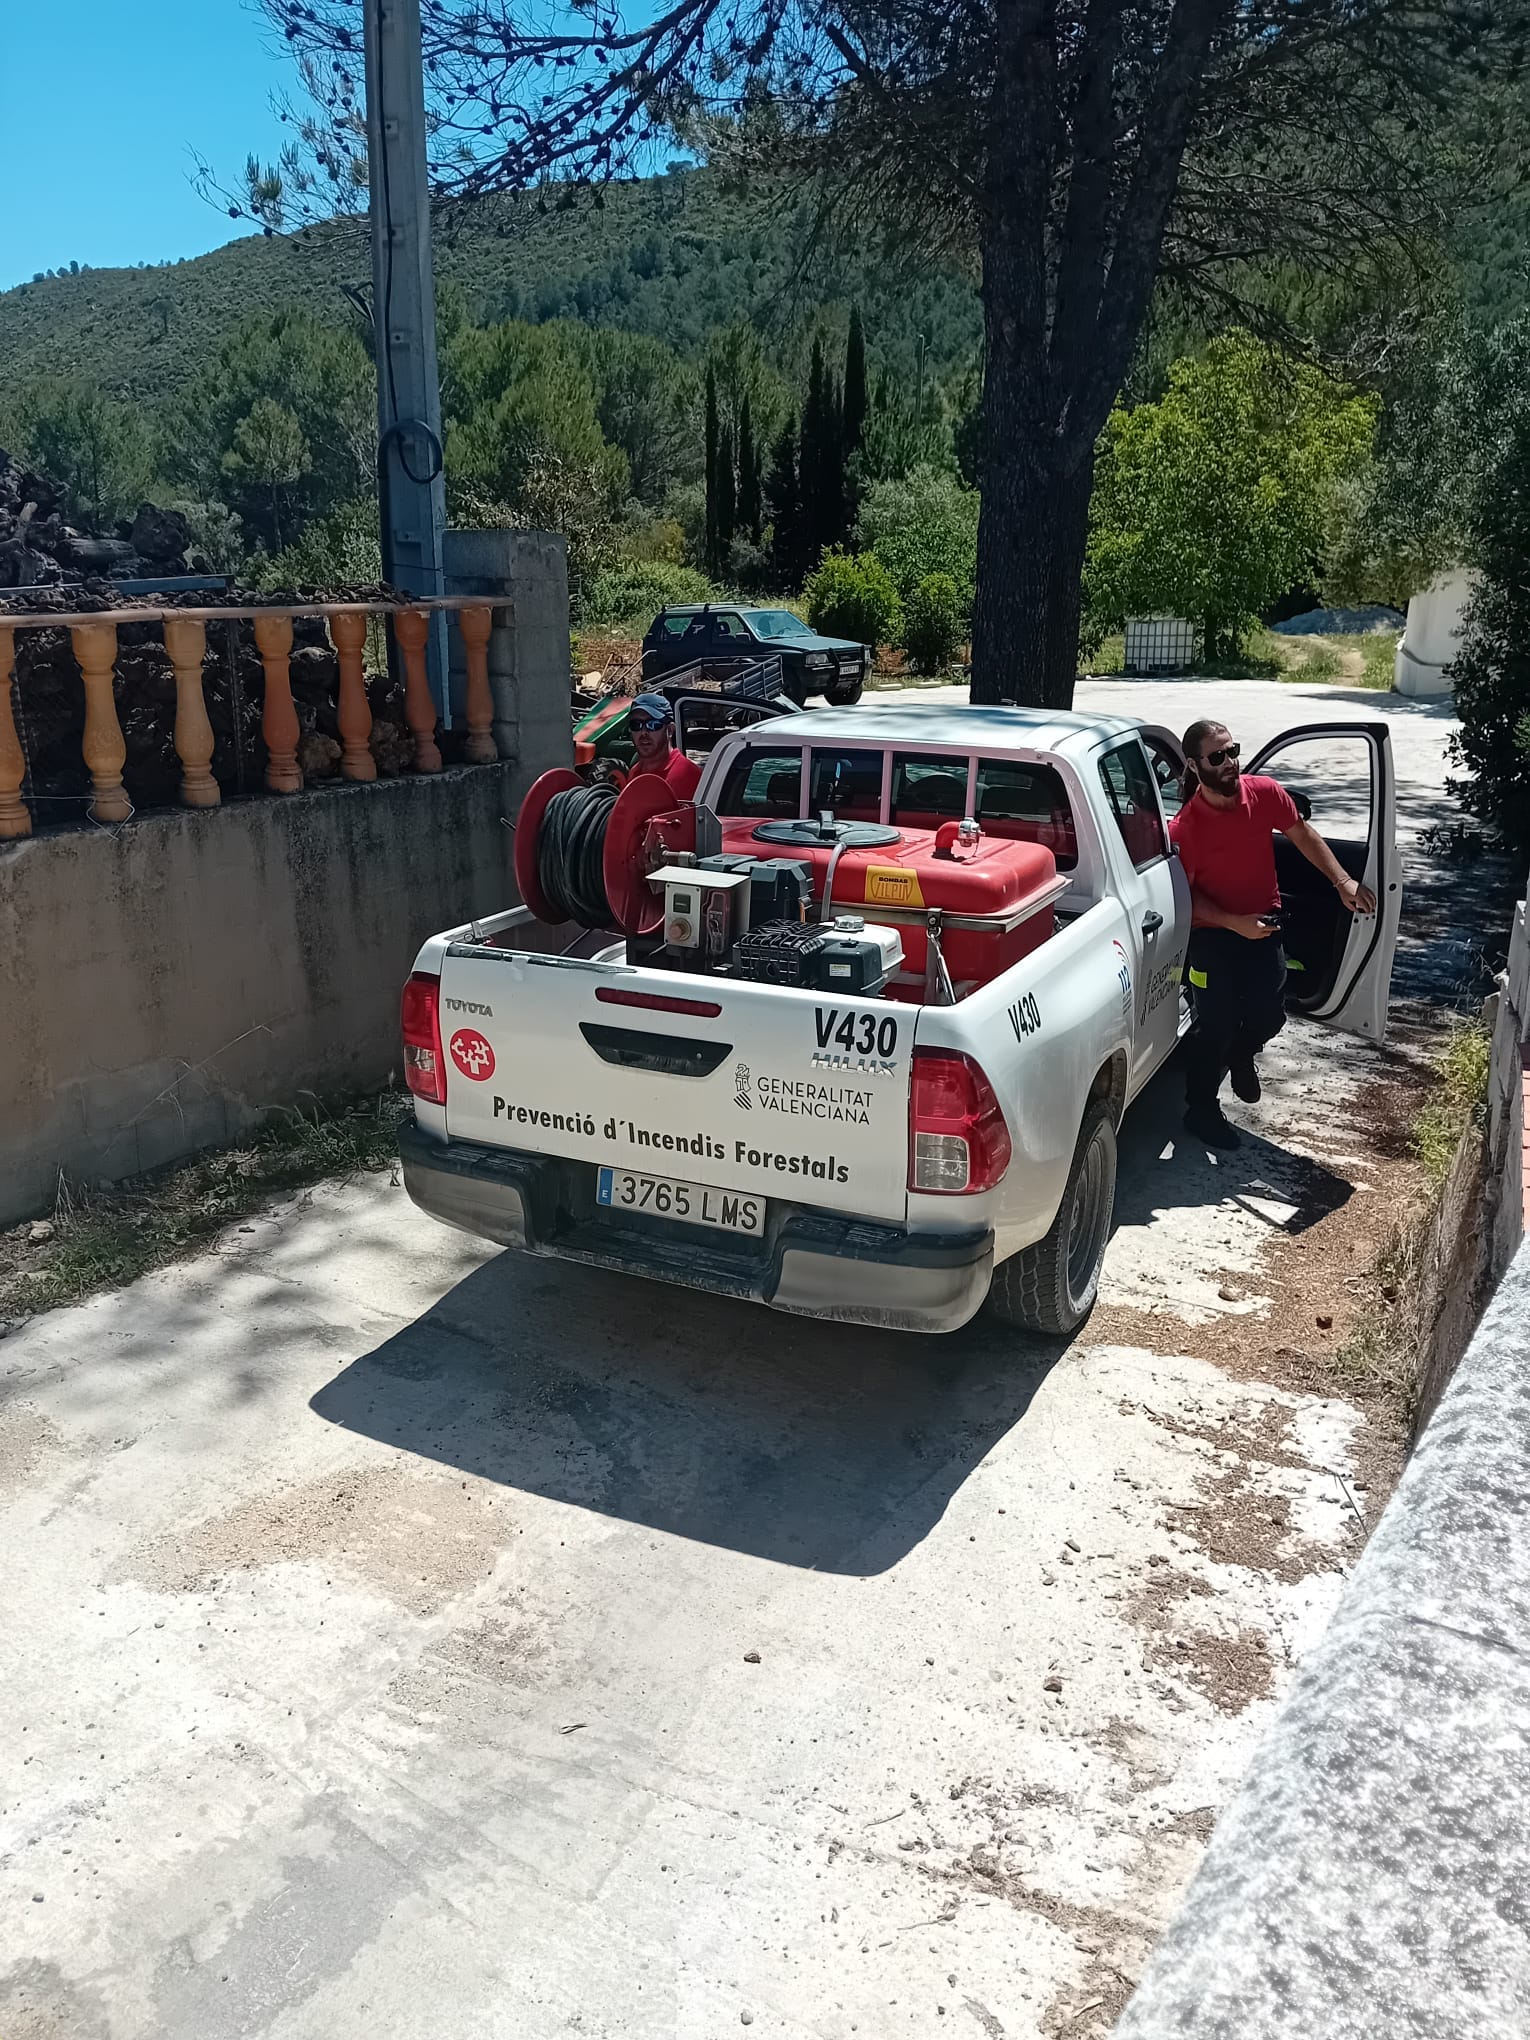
{"x": 633, "y": 592}
{"x": 851, "y": 595}
{"x": 339, "y": 551}
{"x": 934, "y": 620}
{"x": 920, "y": 524}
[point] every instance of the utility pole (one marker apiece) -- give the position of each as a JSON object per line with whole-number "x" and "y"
{"x": 411, "y": 491}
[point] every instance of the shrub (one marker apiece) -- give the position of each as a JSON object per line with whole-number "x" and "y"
{"x": 934, "y": 619}
{"x": 633, "y": 592}
{"x": 851, "y": 595}
{"x": 339, "y": 551}
{"x": 923, "y": 523}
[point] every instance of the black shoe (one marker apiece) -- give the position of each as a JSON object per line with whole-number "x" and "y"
{"x": 1208, "y": 1124}
{"x": 1245, "y": 1082}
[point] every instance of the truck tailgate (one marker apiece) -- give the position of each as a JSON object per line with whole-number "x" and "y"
{"x": 795, "y": 1095}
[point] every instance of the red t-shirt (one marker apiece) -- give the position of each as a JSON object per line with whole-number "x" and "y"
{"x": 681, "y": 775}
{"x": 1229, "y": 853}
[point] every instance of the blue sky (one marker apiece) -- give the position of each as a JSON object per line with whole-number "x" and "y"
{"x": 104, "y": 102}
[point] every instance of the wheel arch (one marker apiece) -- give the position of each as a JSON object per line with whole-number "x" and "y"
{"x": 1110, "y": 1082}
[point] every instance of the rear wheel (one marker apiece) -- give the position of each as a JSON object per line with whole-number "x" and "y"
{"x": 1051, "y": 1287}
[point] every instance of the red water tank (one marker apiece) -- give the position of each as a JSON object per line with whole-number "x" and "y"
{"x": 997, "y": 896}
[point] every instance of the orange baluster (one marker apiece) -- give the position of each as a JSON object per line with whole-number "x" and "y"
{"x": 349, "y": 634}
{"x": 14, "y": 819}
{"x": 186, "y": 643}
{"x": 95, "y": 646}
{"x": 475, "y": 625}
{"x": 411, "y": 627}
{"x": 278, "y": 722}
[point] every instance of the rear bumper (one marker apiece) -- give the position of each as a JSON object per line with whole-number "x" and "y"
{"x": 813, "y": 1263}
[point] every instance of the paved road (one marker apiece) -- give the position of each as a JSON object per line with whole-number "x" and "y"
{"x": 401, "y": 1639}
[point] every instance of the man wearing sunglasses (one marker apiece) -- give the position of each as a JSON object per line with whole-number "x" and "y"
{"x": 651, "y": 725}
{"x": 1237, "y": 967}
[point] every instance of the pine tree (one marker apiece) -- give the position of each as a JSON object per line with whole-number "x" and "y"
{"x": 711, "y": 472}
{"x": 783, "y": 499}
{"x": 855, "y": 387}
{"x": 727, "y": 499}
{"x": 822, "y": 465}
{"x": 748, "y": 473}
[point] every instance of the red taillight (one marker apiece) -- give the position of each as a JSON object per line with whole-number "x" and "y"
{"x": 424, "y": 1064}
{"x": 659, "y": 1002}
{"x": 958, "y": 1142}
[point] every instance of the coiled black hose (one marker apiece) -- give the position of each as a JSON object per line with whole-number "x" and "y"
{"x": 570, "y": 847}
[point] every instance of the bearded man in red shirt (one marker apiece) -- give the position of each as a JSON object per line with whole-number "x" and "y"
{"x": 1224, "y": 834}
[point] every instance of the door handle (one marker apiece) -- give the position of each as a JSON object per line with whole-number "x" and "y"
{"x": 1152, "y": 921}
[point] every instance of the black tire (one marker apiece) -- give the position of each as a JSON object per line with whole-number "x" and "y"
{"x": 797, "y": 688}
{"x": 845, "y": 697}
{"x": 1051, "y": 1287}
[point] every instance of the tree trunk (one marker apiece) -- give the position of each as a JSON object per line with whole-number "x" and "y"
{"x": 1032, "y": 532}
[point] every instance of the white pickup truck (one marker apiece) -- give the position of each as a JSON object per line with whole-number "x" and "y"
{"x": 885, "y": 1159}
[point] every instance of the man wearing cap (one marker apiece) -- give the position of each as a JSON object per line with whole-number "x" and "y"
{"x": 652, "y": 727}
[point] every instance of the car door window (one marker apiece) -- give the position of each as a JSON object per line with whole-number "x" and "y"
{"x": 1131, "y": 793}
{"x": 1027, "y": 803}
{"x": 927, "y": 790}
{"x": 732, "y": 630}
{"x": 846, "y": 784}
{"x": 1168, "y": 770}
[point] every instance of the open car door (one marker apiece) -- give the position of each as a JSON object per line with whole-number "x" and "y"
{"x": 1340, "y": 964}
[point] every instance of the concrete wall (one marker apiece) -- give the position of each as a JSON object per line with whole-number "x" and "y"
{"x": 164, "y": 983}
{"x": 1428, "y": 643}
{"x": 1372, "y": 1877}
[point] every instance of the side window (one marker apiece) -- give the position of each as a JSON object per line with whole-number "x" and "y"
{"x": 927, "y": 791}
{"x": 1169, "y": 771}
{"x": 1027, "y": 804}
{"x": 1132, "y": 793}
{"x": 731, "y": 631}
{"x": 848, "y": 784}
{"x": 763, "y": 783}
{"x": 674, "y": 627}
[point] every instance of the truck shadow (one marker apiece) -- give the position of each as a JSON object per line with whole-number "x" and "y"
{"x": 829, "y": 1447}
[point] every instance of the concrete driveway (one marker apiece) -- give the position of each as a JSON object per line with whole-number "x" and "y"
{"x": 404, "y": 1639}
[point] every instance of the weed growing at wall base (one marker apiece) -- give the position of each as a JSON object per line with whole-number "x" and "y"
{"x": 103, "y": 1239}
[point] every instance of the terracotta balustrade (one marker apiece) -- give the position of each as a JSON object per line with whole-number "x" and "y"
{"x": 95, "y": 647}
{"x": 14, "y": 819}
{"x": 348, "y": 632}
{"x": 279, "y": 722}
{"x": 186, "y": 644}
{"x": 411, "y": 629}
{"x": 475, "y": 625}
{"x": 94, "y": 637}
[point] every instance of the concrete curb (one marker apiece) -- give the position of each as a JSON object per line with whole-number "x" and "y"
{"x": 1372, "y": 1877}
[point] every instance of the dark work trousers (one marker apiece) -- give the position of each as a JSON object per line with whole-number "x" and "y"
{"x": 1238, "y": 996}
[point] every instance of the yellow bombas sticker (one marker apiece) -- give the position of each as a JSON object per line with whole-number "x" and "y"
{"x": 891, "y": 885}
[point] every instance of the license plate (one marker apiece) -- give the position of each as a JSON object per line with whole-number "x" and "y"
{"x": 691, "y": 1203}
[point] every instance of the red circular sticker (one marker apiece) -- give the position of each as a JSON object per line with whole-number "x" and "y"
{"x": 472, "y": 1054}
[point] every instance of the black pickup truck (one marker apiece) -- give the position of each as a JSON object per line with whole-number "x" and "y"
{"x": 810, "y": 664}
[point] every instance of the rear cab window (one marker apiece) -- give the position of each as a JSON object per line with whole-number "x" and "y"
{"x": 847, "y": 783}
{"x": 927, "y": 789}
{"x": 765, "y": 783}
{"x": 1026, "y": 802}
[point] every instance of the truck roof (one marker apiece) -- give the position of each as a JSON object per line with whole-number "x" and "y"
{"x": 948, "y": 722}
